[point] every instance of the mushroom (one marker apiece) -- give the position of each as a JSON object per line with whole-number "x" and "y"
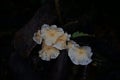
{"x": 61, "y": 41}
{"x": 51, "y": 33}
{"x": 48, "y": 52}
{"x": 37, "y": 37}
{"x": 79, "y": 55}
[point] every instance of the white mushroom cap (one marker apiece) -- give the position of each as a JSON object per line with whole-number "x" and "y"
{"x": 48, "y": 52}
{"x": 61, "y": 41}
{"x": 80, "y": 55}
{"x": 37, "y": 37}
{"x": 51, "y": 33}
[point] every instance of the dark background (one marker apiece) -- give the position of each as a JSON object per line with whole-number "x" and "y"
{"x": 14, "y": 14}
{"x": 103, "y": 16}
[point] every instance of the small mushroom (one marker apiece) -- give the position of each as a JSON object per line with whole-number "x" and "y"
{"x": 51, "y": 33}
{"x": 37, "y": 37}
{"x": 79, "y": 55}
{"x": 61, "y": 41}
{"x": 48, "y": 52}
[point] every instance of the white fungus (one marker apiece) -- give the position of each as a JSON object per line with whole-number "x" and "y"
{"x": 61, "y": 41}
{"x": 54, "y": 39}
{"x": 79, "y": 55}
{"x": 48, "y": 52}
{"x": 51, "y": 33}
{"x": 37, "y": 37}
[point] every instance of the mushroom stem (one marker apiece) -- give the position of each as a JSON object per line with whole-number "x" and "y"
{"x": 57, "y": 6}
{"x": 85, "y": 72}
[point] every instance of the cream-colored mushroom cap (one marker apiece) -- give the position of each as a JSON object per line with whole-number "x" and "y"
{"x": 48, "y": 52}
{"x": 37, "y": 37}
{"x": 51, "y": 33}
{"x": 61, "y": 41}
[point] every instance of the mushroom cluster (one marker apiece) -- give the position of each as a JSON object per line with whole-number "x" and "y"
{"x": 54, "y": 39}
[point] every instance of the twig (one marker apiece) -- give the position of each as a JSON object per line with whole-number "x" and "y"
{"x": 70, "y": 23}
{"x": 85, "y": 73}
{"x": 57, "y": 6}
